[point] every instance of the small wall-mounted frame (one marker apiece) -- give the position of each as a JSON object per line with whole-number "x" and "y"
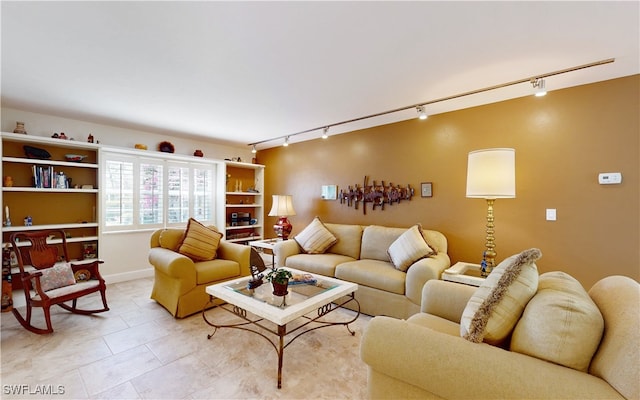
{"x": 329, "y": 192}
{"x": 426, "y": 189}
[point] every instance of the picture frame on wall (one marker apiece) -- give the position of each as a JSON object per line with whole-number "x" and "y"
{"x": 426, "y": 189}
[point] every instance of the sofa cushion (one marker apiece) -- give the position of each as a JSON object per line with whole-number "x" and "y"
{"x": 58, "y": 276}
{"x": 315, "y": 238}
{"x": 560, "y": 324}
{"x": 199, "y": 243}
{"x": 435, "y": 323}
{"x": 409, "y": 248}
{"x": 349, "y": 239}
{"x": 373, "y": 273}
{"x": 376, "y": 240}
{"x": 323, "y": 264}
{"x": 216, "y": 270}
{"x": 497, "y": 304}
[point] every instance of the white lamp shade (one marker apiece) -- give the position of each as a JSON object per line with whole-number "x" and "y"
{"x": 491, "y": 174}
{"x": 282, "y": 206}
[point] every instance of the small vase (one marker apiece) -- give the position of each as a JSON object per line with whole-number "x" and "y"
{"x": 280, "y": 289}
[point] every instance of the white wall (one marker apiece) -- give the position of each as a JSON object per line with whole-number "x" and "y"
{"x": 45, "y": 125}
{"x": 125, "y": 254}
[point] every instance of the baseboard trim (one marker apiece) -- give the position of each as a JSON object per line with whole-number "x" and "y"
{"x": 128, "y": 276}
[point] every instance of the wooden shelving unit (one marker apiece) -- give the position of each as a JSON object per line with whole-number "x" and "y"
{"x": 244, "y": 202}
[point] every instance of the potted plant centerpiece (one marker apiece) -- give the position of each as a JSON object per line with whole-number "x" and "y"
{"x": 279, "y": 278}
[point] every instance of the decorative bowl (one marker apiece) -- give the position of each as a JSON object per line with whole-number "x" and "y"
{"x": 74, "y": 157}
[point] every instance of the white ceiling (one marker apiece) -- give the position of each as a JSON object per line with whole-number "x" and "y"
{"x": 244, "y": 72}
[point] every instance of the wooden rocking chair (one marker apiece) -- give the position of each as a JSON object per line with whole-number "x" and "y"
{"x": 48, "y": 280}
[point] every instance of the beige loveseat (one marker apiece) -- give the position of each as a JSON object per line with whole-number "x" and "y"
{"x": 179, "y": 283}
{"x": 425, "y": 357}
{"x": 359, "y": 255}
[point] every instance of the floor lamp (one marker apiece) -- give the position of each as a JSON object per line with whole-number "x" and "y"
{"x": 282, "y": 207}
{"x": 491, "y": 175}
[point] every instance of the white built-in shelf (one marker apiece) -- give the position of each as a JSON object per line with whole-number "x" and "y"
{"x": 230, "y": 228}
{"x": 23, "y": 160}
{"x": 47, "y": 190}
{"x": 21, "y": 228}
{"x": 244, "y": 193}
{"x": 243, "y": 205}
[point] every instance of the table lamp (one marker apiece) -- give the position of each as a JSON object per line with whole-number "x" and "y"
{"x": 282, "y": 207}
{"x": 491, "y": 175}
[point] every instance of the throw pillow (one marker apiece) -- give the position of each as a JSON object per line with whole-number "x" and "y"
{"x": 409, "y": 248}
{"x": 315, "y": 238}
{"x": 58, "y": 276}
{"x": 200, "y": 243}
{"x": 496, "y": 306}
{"x": 560, "y": 324}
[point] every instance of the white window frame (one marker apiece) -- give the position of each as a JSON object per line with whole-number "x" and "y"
{"x": 166, "y": 161}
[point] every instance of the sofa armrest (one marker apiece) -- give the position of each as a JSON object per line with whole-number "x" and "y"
{"x": 239, "y": 253}
{"x": 284, "y": 249}
{"x": 173, "y": 264}
{"x": 453, "y": 368}
{"x": 423, "y": 270}
{"x": 446, "y": 299}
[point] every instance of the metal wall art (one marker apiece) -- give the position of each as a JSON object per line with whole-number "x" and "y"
{"x": 378, "y": 195}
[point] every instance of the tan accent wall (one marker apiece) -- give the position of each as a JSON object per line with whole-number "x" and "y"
{"x": 562, "y": 142}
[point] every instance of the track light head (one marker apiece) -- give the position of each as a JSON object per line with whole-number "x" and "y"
{"x": 538, "y": 87}
{"x": 286, "y": 142}
{"x": 254, "y": 150}
{"x": 422, "y": 114}
{"x": 325, "y": 133}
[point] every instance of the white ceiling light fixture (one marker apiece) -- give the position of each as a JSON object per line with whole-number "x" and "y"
{"x": 422, "y": 114}
{"x": 325, "y": 132}
{"x": 538, "y": 87}
{"x": 254, "y": 150}
{"x": 286, "y": 142}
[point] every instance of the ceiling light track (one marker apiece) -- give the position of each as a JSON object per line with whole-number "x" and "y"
{"x": 528, "y": 80}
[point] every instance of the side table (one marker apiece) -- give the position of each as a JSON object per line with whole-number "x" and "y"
{"x": 266, "y": 244}
{"x": 464, "y": 272}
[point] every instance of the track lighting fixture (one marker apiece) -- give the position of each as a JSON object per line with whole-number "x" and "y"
{"x": 254, "y": 150}
{"x": 538, "y": 87}
{"x": 325, "y": 132}
{"x": 422, "y": 114}
{"x": 537, "y": 82}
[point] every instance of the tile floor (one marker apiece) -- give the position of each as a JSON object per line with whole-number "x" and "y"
{"x": 137, "y": 350}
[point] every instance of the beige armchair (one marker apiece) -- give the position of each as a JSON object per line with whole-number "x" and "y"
{"x": 179, "y": 284}
{"x": 425, "y": 356}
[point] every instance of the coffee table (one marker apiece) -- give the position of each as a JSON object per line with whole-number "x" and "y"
{"x": 262, "y": 312}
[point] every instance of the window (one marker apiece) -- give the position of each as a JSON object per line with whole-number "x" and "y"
{"x": 178, "y": 192}
{"x": 118, "y": 199}
{"x": 160, "y": 193}
{"x": 150, "y": 190}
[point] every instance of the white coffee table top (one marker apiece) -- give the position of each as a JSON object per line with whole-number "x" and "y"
{"x": 301, "y": 300}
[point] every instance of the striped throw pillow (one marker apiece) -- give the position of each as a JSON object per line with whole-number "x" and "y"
{"x": 199, "y": 243}
{"x": 315, "y": 238}
{"x": 409, "y": 248}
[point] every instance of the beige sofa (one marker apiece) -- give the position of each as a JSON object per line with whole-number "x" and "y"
{"x": 425, "y": 357}
{"x": 179, "y": 284}
{"x": 360, "y": 256}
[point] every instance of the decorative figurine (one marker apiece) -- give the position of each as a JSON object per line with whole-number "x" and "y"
{"x": 20, "y": 128}
{"x": 8, "y": 181}
{"x": 483, "y": 264}
{"x": 90, "y": 138}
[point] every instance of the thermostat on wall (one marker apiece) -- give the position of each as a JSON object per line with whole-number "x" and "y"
{"x": 610, "y": 178}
